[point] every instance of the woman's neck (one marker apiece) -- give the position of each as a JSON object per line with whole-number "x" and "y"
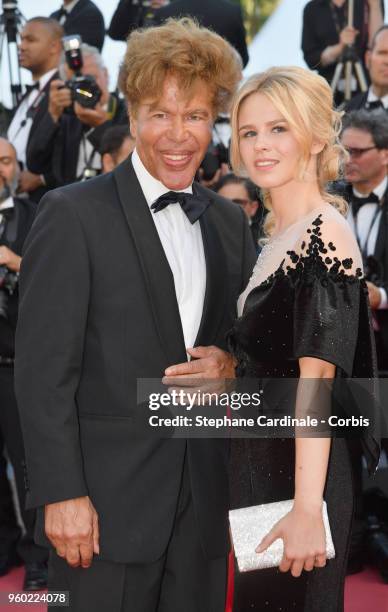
{"x": 294, "y": 201}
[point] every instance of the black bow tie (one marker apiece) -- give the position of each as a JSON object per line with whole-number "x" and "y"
{"x": 30, "y": 88}
{"x": 357, "y": 202}
{"x": 375, "y": 104}
{"x": 192, "y": 205}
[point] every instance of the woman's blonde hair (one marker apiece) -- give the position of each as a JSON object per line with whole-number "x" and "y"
{"x": 305, "y": 100}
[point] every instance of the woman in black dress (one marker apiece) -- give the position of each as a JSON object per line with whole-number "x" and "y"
{"x": 303, "y": 314}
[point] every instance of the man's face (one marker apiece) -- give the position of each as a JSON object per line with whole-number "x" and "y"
{"x": 367, "y": 165}
{"x": 173, "y": 133}
{"x": 377, "y": 61}
{"x": 91, "y": 67}
{"x": 8, "y": 165}
{"x": 36, "y": 46}
{"x": 238, "y": 193}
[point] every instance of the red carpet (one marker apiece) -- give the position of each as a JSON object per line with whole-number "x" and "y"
{"x": 363, "y": 591}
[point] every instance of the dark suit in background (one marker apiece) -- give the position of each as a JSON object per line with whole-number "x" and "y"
{"x": 16, "y": 228}
{"x": 76, "y": 380}
{"x": 58, "y": 144}
{"x": 86, "y": 20}
{"x": 39, "y": 117}
{"x": 221, "y": 16}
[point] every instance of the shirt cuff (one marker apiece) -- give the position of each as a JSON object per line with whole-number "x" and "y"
{"x": 43, "y": 179}
{"x": 384, "y": 300}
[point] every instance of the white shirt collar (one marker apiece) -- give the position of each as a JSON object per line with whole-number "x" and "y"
{"x": 151, "y": 187}
{"x": 379, "y": 190}
{"x": 373, "y": 98}
{"x": 46, "y": 77}
{"x": 69, "y": 7}
{"x": 7, "y": 204}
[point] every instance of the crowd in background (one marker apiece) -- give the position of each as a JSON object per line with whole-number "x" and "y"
{"x": 55, "y": 138}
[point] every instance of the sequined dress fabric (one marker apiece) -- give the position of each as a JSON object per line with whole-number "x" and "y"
{"x": 306, "y": 297}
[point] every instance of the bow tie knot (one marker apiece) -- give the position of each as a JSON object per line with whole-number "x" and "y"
{"x": 32, "y": 86}
{"x": 192, "y": 205}
{"x": 358, "y": 202}
{"x": 375, "y": 105}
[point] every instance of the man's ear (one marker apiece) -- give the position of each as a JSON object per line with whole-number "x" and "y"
{"x": 107, "y": 163}
{"x": 132, "y": 122}
{"x": 368, "y": 54}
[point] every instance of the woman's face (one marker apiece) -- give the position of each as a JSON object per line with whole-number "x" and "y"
{"x": 268, "y": 148}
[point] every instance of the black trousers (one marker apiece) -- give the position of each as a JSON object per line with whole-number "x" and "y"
{"x": 11, "y": 437}
{"x": 182, "y": 580}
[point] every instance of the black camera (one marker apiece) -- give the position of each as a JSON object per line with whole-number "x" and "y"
{"x": 84, "y": 88}
{"x": 8, "y": 284}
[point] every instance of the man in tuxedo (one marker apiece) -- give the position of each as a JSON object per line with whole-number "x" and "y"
{"x": 70, "y": 141}
{"x": 221, "y": 16}
{"x": 16, "y": 217}
{"x": 82, "y": 17}
{"x": 123, "y": 276}
{"x": 365, "y": 136}
{"x": 132, "y": 14}
{"x": 377, "y": 61}
{"x": 40, "y": 50}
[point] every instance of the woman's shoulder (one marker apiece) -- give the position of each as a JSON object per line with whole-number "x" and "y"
{"x": 327, "y": 236}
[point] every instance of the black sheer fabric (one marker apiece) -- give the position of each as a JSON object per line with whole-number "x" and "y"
{"x": 315, "y": 304}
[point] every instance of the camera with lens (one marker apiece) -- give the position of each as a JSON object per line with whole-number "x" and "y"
{"x": 8, "y": 284}
{"x": 84, "y": 88}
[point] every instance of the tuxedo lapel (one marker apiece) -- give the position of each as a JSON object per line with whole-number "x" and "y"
{"x": 216, "y": 276}
{"x": 155, "y": 268}
{"x": 42, "y": 107}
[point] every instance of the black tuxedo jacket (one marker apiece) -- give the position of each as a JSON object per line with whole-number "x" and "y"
{"x": 222, "y": 16}
{"x": 39, "y": 117}
{"x": 86, "y": 20}
{"x": 357, "y": 102}
{"x": 17, "y": 227}
{"x": 98, "y": 311}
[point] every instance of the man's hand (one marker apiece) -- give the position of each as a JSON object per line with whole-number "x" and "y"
{"x": 9, "y": 259}
{"x": 208, "y": 362}
{"x": 59, "y": 99}
{"x": 348, "y": 36}
{"x": 72, "y": 528}
{"x": 91, "y": 116}
{"x": 374, "y": 296}
{"x": 28, "y": 181}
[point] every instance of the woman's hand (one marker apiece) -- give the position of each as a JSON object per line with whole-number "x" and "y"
{"x": 303, "y": 534}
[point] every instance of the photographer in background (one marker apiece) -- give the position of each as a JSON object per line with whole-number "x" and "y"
{"x": 39, "y": 52}
{"x": 84, "y": 18}
{"x": 132, "y": 14}
{"x": 16, "y": 217}
{"x": 75, "y": 123}
{"x": 365, "y": 137}
{"x": 326, "y": 33}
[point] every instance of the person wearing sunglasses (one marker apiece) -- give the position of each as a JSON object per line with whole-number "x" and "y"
{"x": 365, "y": 137}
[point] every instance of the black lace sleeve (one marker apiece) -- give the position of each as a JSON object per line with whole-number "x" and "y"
{"x": 326, "y": 274}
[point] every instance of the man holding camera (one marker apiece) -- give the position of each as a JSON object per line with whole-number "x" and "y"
{"x": 16, "y": 216}
{"x": 39, "y": 51}
{"x": 80, "y": 109}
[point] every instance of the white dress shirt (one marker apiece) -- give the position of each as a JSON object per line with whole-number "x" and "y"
{"x": 20, "y": 127}
{"x": 7, "y": 204}
{"x": 362, "y": 225}
{"x": 183, "y": 246}
{"x": 68, "y": 8}
{"x": 373, "y": 98}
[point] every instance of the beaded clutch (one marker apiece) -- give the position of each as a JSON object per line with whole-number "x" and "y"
{"x": 250, "y": 525}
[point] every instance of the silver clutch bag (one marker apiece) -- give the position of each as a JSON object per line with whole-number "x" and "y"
{"x": 250, "y": 525}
